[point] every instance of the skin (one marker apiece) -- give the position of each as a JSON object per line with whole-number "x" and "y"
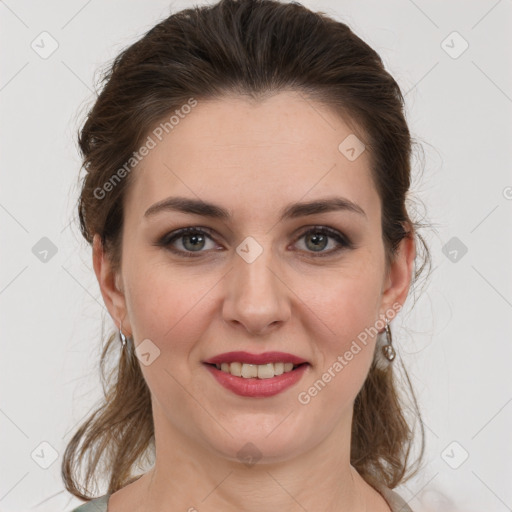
{"x": 252, "y": 158}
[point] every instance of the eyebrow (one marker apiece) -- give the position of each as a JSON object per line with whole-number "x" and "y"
{"x": 291, "y": 211}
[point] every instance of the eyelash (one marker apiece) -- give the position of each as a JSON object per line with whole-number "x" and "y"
{"x": 169, "y": 238}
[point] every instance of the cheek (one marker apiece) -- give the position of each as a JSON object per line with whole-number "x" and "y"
{"x": 349, "y": 299}
{"x": 344, "y": 355}
{"x": 168, "y": 307}
{"x": 343, "y": 320}
{"x": 173, "y": 316}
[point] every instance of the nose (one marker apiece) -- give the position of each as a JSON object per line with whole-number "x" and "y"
{"x": 256, "y": 294}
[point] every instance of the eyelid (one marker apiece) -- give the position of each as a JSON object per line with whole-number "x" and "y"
{"x": 166, "y": 240}
{"x": 343, "y": 241}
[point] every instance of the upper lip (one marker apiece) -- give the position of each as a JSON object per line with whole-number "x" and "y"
{"x": 248, "y": 358}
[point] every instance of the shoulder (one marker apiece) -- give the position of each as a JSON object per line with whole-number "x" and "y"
{"x": 394, "y": 500}
{"x": 95, "y": 505}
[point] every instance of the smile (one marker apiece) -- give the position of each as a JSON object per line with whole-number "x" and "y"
{"x": 260, "y": 371}
{"x": 250, "y": 384}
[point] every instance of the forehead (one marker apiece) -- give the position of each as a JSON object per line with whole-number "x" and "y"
{"x": 253, "y": 156}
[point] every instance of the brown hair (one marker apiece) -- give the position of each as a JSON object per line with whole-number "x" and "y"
{"x": 252, "y": 48}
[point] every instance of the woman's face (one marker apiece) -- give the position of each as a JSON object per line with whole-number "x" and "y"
{"x": 255, "y": 281}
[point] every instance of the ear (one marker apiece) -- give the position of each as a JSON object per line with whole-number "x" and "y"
{"x": 399, "y": 276}
{"x": 112, "y": 292}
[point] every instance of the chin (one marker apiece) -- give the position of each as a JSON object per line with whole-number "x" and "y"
{"x": 258, "y": 447}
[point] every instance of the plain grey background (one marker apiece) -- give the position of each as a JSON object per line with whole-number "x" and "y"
{"x": 453, "y": 63}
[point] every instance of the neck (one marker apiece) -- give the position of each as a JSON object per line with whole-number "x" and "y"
{"x": 188, "y": 476}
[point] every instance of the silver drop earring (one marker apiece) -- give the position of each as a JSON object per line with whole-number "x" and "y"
{"x": 388, "y": 350}
{"x": 122, "y": 336}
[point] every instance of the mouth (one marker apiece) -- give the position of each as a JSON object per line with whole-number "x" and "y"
{"x": 256, "y": 371}
{"x": 257, "y": 381}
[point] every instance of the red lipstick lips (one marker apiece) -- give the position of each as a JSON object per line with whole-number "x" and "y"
{"x": 255, "y": 387}
{"x": 247, "y": 358}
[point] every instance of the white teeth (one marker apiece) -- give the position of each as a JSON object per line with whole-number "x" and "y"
{"x": 251, "y": 371}
{"x": 235, "y": 369}
{"x": 278, "y": 368}
{"x": 266, "y": 371}
{"x": 288, "y": 367}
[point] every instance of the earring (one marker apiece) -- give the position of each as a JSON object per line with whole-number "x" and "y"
{"x": 388, "y": 350}
{"x": 122, "y": 336}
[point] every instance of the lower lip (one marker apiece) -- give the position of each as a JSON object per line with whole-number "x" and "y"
{"x": 255, "y": 387}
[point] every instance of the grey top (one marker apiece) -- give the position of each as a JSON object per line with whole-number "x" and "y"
{"x": 396, "y": 503}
